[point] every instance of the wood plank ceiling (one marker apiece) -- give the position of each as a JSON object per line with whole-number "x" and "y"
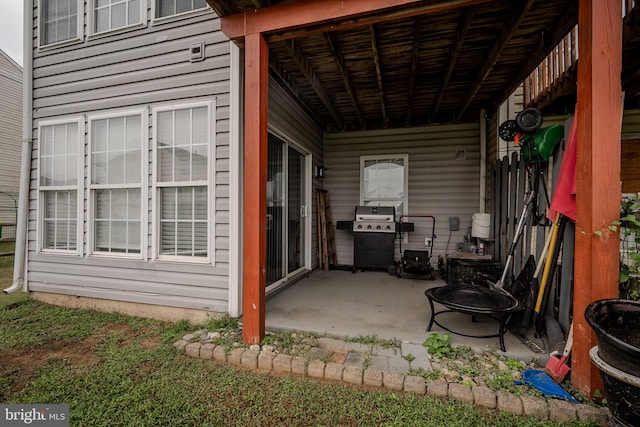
{"x": 431, "y": 67}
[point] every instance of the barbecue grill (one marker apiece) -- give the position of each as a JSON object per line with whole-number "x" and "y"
{"x": 374, "y": 235}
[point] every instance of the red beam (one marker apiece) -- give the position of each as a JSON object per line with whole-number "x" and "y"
{"x": 597, "y": 174}
{"x": 255, "y": 187}
{"x": 313, "y": 13}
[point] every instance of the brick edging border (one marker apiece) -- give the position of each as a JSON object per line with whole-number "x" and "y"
{"x": 479, "y": 396}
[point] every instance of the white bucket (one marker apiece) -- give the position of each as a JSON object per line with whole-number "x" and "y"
{"x": 480, "y": 223}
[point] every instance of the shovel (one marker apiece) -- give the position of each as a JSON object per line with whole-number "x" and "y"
{"x": 556, "y": 366}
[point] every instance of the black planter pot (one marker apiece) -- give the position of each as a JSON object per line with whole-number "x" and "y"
{"x": 622, "y": 391}
{"x": 616, "y": 323}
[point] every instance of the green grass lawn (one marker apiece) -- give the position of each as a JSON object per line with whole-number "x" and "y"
{"x": 6, "y": 264}
{"x": 115, "y": 370}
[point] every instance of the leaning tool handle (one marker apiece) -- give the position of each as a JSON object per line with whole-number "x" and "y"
{"x": 569, "y": 345}
{"x": 516, "y": 238}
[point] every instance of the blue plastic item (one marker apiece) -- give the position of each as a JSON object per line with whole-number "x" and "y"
{"x": 541, "y": 381}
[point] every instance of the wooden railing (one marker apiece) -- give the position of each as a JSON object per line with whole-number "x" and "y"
{"x": 551, "y": 74}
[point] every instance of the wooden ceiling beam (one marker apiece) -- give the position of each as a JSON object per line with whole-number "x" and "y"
{"x": 306, "y": 69}
{"x": 508, "y": 30}
{"x": 414, "y": 68}
{"x": 564, "y": 24}
{"x": 344, "y": 73}
{"x": 376, "y": 60}
{"x": 463, "y": 29}
{"x": 303, "y": 17}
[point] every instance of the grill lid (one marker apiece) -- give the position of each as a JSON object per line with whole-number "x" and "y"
{"x": 375, "y": 213}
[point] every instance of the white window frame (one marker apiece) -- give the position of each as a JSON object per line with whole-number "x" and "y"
{"x": 144, "y": 209}
{"x": 157, "y": 186}
{"x": 175, "y": 16}
{"x": 41, "y": 27}
{"x": 91, "y": 24}
{"x": 78, "y": 187}
{"x": 405, "y": 159}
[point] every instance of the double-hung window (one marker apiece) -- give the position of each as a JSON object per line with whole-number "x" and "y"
{"x": 384, "y": 180}
{"x": 116, "y": 177}
{"x": 165, "y": 8}
{"x": 59, "y": 186}
{"x": 59, "y": 21}
{"x": 114, "y": 14}
{"x": 183, "y": 174}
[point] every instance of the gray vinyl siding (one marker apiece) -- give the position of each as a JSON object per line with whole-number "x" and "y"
{"x": 631, "y": 124}
{"x": 10, "y": 142}
{"x": 288, "y": 117}
{"x": 145, "y": 67}
{"x": 439, "y": 183}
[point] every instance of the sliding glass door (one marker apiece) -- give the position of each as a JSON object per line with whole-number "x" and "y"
{"x": 287, "y": 210}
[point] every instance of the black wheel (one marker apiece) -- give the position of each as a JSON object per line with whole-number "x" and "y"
{"x": 392, "y": 269}
{"x": 508, "y": 130}
{"x": 529, "y": 120}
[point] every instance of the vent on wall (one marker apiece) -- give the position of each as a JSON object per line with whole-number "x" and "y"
{"x": 196, "y": 51}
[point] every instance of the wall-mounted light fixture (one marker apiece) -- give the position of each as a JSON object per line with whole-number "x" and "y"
{"x": 319, "y": 171}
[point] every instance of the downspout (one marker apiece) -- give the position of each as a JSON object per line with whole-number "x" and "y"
{"x": 27, "y": 142}
{"x": 235, "y": 184}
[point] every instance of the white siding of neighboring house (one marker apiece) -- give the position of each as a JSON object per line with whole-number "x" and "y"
{"x": 444, "y": 179}
{"x": 10, "y": 142}
{"x": 140, "y": 68}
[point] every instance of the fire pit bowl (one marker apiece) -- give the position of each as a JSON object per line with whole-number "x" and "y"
{"x": 616, "y": 323}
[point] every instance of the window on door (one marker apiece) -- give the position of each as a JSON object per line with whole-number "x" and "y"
{"x": 183, "y": 144}
{"x": 116, "y": 182}
{"x": 59, "y": 185}
{"x": 287, "y": 213}
{"x": 383, "y": 181}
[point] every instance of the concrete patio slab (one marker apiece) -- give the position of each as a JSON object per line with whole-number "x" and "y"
{"x": 372, "y": 303}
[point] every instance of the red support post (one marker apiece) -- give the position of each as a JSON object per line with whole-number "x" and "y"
{"x": 599, "y": 116}
{"x": 255, "y": 187}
